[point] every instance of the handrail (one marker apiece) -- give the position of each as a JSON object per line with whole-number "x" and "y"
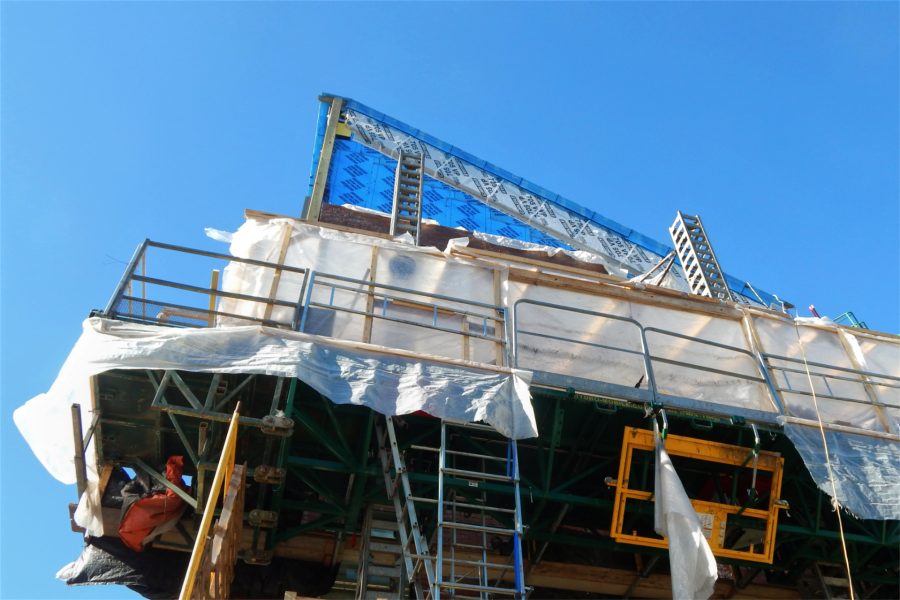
{"x": 648, "y": 366}
{"x": 764, "y": 366}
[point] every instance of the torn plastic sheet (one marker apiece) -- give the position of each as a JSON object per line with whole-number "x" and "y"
{"x": 388, "y": 381}
{"x": 694, "y": 569}
{"x": 153, "y": 573}
{"x": 866, "y": 469}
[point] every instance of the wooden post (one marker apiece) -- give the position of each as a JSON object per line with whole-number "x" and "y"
{"x": 370, "y": 298}
{"x": 213, "y": 285}
{"x": 286, "y": 232}
{"x": 498, "y": 299}
{"x": 80, "y": 466}
{"x": 318, "y": 192}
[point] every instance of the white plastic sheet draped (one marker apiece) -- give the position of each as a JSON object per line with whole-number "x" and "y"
{"x": 578, "y": 353}
{"x": 692, "y": 562}
{"x": 866, "y": 470}
{"x": 389, "y": 383}
{"x": 364, "y": 258}
{"x": 839, "y": 348}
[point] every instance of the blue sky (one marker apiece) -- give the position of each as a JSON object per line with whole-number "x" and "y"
{"x": 776, "y": 122}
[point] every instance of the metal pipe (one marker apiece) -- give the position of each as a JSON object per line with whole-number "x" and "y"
{"x": 126, "y": 278}
{"x": 310, "y": 285}
{"x": 228, "y": 257}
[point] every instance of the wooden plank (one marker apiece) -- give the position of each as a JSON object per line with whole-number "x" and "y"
{"x": 500, "y": 358}
{"x": 286, "y": 232}
{"x": 370, "y": 297}
{"x": 315, "y": 199}
{"x": 656, "y": 297}
{"x": 260, "y": 215}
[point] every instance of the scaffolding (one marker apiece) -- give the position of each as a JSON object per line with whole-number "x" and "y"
{"x": 474, "y": 421}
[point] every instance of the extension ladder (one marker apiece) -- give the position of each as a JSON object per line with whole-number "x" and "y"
{"x": 701, "y": 268}
{"x": 380, "y": 564}
{"x": 406, "y": 215}
{"x": 477, "y": 512}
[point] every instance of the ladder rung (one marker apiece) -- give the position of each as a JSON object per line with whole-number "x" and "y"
{"x": 483, "y": 507}
{"x": 479, "y": 528}
{"x": 476, "y": 475}
{"x": 421, "y": 499}
{"x": 469, "y": 546}
{"x": 478, "y": 563}
{"x": 478, "y": 426}
{"x": 478, "y": 588}
{"x": 461, "y": 453}
{"x": 383, "y": 571}
{"x": 386, "y": 548}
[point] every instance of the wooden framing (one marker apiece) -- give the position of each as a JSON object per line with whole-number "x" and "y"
{"x": 318, "y": 191}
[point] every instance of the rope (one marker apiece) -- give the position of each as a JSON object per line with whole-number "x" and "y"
{"x": 834, "y": 498}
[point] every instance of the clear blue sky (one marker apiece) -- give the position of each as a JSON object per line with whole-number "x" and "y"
{"x": 777, "y": 122}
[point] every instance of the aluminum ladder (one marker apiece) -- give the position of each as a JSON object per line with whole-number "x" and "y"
{"x": 406, "y": 215}
{"x": 701, "y": 268}
{"x": 472, "y": 517}
{"x": 380, "y": 565}
{"x": 413, "y": 545}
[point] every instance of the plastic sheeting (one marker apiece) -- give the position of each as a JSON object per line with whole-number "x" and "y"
{"x": 579, "y": 352}
{"x": 153, "y": 573}
{"x": 390, "y": 383}
{"x": 693, "y": 565}
{"x": 325, "y": 251}
{"x": 838, "y": 348}
{"x": 866, "y": 470}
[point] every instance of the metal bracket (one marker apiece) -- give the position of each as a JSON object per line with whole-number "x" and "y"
{"x": 277, "y": 425}
{"x": 263, "y": 518}
{"x": 269, "y": 474}
{"x": 254, "y": 556}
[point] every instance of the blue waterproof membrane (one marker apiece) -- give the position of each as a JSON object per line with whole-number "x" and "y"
{"x": 364, "y": 177}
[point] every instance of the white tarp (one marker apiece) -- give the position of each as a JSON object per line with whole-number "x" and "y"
{"x": 693, "y": 565}
{"x": 330, "y": 252}
{"x": 389, "y": 382}
{"x": 836, "y": 347}
{"x": 866, "y": 469}
{"x": 624, "y": 367}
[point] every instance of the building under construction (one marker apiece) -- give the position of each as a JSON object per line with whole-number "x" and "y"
{"x": 442, "y": 380}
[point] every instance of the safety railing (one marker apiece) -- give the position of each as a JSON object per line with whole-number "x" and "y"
{"x": 518, "y": 333}
{"x": 179, "y": 300}
{"x": 187, "y": 301}
{"x": 645, "y": 353}
{"x": 773, "y": 373}
{"x": 407, "y": 309}
{"x": 832, "y": 383}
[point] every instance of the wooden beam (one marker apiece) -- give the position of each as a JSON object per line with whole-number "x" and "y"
{"x": 318, "y": 191}
{"x": 286, "y": 234}
{"x": 658, "y": 296}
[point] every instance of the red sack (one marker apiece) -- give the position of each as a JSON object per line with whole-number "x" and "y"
{"x": 146, "y": 514}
